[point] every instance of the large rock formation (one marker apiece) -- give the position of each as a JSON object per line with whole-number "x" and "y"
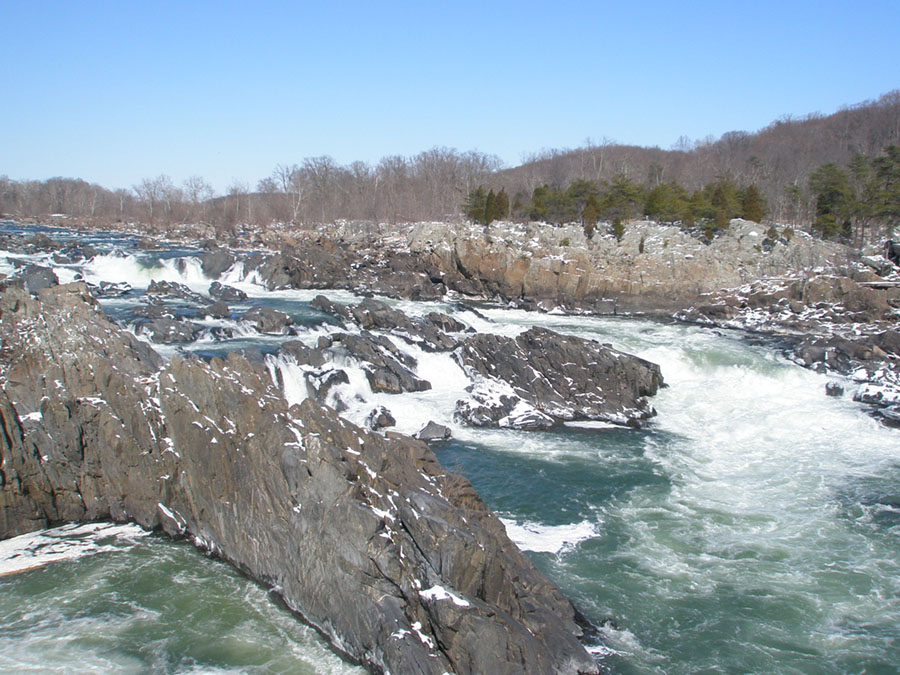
{"x": 398, "y": 562}
{"x": 541, "y": 378}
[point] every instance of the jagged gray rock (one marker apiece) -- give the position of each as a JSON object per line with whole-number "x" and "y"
{"x": 430, "y": 333}
{"x": 165, "y": 330}
{"x": 175, "y": 290}
{"x": 380, "y": 418}
{"x": 396, "y": 561}
{"x": 220, "y": 291}
{"x": 215, "y": 262}
{"x": 218, "y": 310}
{"x": 107, "y": 289}
{"x": 433, "y": 432}
{"x": 541, "y": 378}
{"x": 267, "y": 320}
{"x": 36, "y": 277}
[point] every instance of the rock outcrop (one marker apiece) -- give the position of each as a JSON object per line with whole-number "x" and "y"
{"x": 541, "y": 378}
{"x": 396, "y": 561}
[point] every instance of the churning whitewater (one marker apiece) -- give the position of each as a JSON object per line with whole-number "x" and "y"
{"x": 751, "y": 526}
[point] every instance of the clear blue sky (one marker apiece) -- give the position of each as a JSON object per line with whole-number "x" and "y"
{"x": 116, "y": 91}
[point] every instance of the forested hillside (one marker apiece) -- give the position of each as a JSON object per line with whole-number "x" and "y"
{"x": 839, "y": 173}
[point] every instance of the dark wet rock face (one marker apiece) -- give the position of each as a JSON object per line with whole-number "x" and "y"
{"x": 225, "y": 293}
{"x": 380, "y": 418}
{"x": 216, "y": 261}
{"x": 835, "y": 389}
{"x": 541, "y": 378}
{"x": 267, "y": 320}
{"x": 174, "y": 290}
{"x": 398, "y": 562}
{"x": 433, "y": 432}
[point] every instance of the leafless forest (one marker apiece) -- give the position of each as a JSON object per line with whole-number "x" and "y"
{"x": 434, "y": 184}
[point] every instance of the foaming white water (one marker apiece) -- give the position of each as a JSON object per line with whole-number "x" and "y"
{"x": 411, "y": 410}
{"x": 286, "y": 372}
{"x": 139, "y": 272}
{"x": 540, "y": 538}
{"x": 68, "y": 542}
{"x": 759, "y": 458}
{"x": 756, "y": 435}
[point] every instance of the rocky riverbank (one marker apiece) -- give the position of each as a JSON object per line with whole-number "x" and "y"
{"x": 396, "y": 561}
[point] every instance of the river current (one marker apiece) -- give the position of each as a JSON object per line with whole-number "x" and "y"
{"x": 752, "y": 526}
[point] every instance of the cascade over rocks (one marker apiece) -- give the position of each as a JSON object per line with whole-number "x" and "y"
{"x": 828, "y": 323}
{"x": 387, "y": 368}
{"x": 534, "y": 381}
{"x": 396, "y": 561}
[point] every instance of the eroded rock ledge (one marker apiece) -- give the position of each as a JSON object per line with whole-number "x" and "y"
{"x": 396, "y": 561}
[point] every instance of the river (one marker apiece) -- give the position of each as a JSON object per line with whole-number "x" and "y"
{"x": 752, "y": 526}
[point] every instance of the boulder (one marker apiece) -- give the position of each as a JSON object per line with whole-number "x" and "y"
{"x": 175, "y": 290}
{"x": 374, "y": 314}
{"x": 834, "y": 388}
{"x": 267, "y": 320}
{"x": 215, "y": 262}
{"x": 433, "y": 432}
{"x": 445, "y": 323}
{"x": 387, "y": 368}
{"x": 218, "y": 310}
{"x": 323, "y": 304}
{"x": 37, "y": 277}
{"x": 154, "y": 310}
{"x": 109, "y": 289}
{"x": 380, "y": 418}
{"x": 169, "y": 331}
{"x": 303, "y": 355}
{"x": 226, "y": 293}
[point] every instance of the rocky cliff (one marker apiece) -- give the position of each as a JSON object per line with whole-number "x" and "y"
{"x": 654, "y": 267}
{"x": 396, "y": 561}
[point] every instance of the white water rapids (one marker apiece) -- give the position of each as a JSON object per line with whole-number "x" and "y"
{"x": 752, "y": 527}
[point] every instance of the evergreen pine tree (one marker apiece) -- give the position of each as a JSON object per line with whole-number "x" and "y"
{"x": 618, "y": 228}
{"x": 490, "y": 208}
{"x": 752, "y": 205}
{"x": 475, "y": 203}
{"x": 501, "y": 204}
{"x": 835, "y": 200}
{"x": 590, "y": 215}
